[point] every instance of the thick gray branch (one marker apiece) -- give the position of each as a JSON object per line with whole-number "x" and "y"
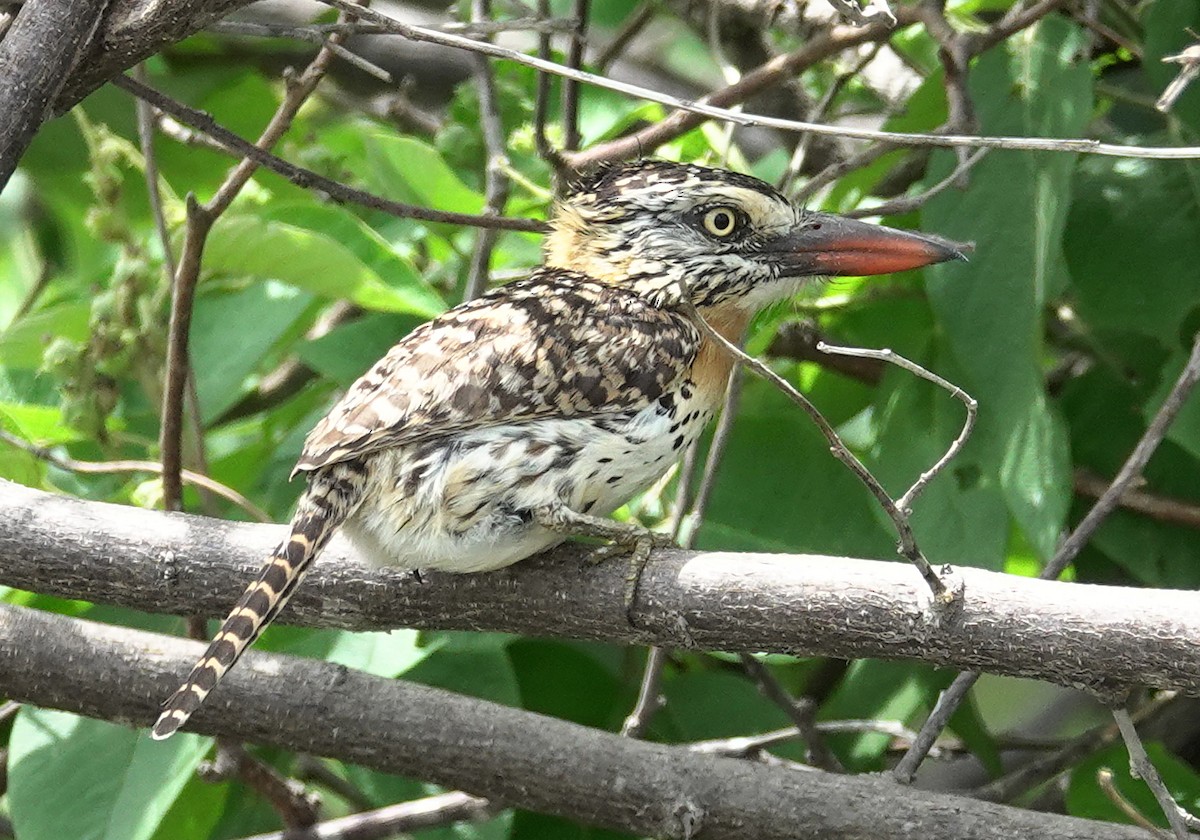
{"x": 134, "y": 30}
{"x": 505, "y": 754}
{"x": 38, "y": 51}
{"x": 1073, "y": 634}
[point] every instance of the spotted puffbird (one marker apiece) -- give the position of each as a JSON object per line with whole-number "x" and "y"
{"x": 529, "y": 414}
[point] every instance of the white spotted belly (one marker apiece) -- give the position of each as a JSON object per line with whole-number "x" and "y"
{"x": 464, "y": 504}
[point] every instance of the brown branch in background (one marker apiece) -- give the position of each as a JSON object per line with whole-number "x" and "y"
{"x": 802, "y": 712}
{"x": 541, "y": 106}
{"x": 570, "y": 87}
{"x": 307, "y": 178}
{"x": 631, "y": 27}
{"x": 649, "y": 699}
{"x": 394, "y": 820}
{"x": 953, "y": 696}
{"x": 770, "y": 74}
{"x": 800, "y": 154}
{"x": 908, "y": 203}
{"x": 43, "y": 43}
{"x": 105, "y": 467}
{"x": 496, "y": 185}
{"x": 1017, "y": 18}
{"x": 1161, "y": 508}
{"x": 943, "y": 594}
{"x": 1142, "y": 767}
{"x": 1021, "y": 780}
{"x": 296, "y": 807}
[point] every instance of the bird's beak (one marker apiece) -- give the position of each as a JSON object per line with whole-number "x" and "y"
{"x": 824, "y": 244}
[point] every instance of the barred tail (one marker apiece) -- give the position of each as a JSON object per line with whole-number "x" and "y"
{"x": 332, "y": 495}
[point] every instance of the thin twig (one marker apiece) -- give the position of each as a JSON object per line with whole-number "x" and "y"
{"x": 570, "y": 87}
{"x": 802, "y": 712}
{"x": 496, "y": 184}
{"x": 541, "y": 105}
{"x": 1189, "y": 69}
{"x": 632, "y": 26}
{"x": 311, "y": 34}
{"x": 1107, "y": 784}
{"x": 297, "y": 808}
{"x": 300, "y": 176}
{"x": 1142, "y": 767}
{"x": 906, "y": 204}
{"x": 838, "y": 39}
{"x": 1162, "y": 508}
{"x": 649, "y": 698}
{"x": 394, "y": 820}
{"x": 908, "y": 544}
{"x": 905, "y": 502}
{"x": 126, "y": 466}
{"x": 950, "y": 699}
{"x": 1044, "y": 768}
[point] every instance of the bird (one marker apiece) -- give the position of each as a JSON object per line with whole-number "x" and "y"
{"x": 527, "y": 415}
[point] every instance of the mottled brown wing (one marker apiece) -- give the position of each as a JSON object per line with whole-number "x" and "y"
{"x": 555, "y": 345}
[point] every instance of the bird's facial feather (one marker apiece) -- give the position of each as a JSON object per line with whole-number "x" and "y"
{"x": 660, "y": 228}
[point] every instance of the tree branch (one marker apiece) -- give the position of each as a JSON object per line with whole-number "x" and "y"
{"x": 38, "y": 51}
{"x": 505, "y": 754}
{"x": 1067, "y": 633}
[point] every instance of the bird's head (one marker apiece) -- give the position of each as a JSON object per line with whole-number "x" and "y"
{"x": 730, "y": 238}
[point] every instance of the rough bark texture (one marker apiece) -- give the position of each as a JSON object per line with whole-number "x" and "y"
{"x": 1100, "y": 637}
{"x": 134, "y": 30}
{"x": 509, "y": 755}
{"x": 38, "y": 51}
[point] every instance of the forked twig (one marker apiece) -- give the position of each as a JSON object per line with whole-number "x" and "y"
{"x": 1143, "y": 768}
{"x": 908, "y": 544}
{"x": 950, "y": 699}
{"x": 905, "y": 502}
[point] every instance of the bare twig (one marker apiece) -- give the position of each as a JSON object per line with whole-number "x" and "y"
{"x": 1142, "y": 767}
{"x": 770, "y": 73}
{"x": 908, "y": 203}
{"x": 905, "y": 502}
{"x": 103, "y": 467}
{"x": 1107, "y": 783}
{"x": 570, "y": 86}
{"x": 394, "y": 820}
{"x": 295, "y": 806}
{"x": 496, "y": 184}
{"x": 632, "y": 26}
{"x": 1189, "y": 69}
{"x": 1013, "y": 784}
{"x": 908, "y": 544}
{"x": 306, "y": 177}
{"x": 801, "y": 711}
{"x": 649, "y": 698}
{"x": 1162, "y": 508}
{"x": 311, "y": 34}
{"x": 950, "y": 699}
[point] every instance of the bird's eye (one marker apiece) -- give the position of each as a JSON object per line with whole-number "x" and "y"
{"x": 721, "y": 221}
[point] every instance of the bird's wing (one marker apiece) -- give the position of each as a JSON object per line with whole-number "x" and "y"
{"x": 555, "y": 345}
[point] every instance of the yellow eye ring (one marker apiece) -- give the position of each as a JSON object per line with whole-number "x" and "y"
{"x": 721, "y": 221}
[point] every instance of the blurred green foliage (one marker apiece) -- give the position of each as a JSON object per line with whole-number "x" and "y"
{"x": 1071, "y": 321}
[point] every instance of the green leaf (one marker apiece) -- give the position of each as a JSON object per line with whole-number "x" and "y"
{"x": 364, "y": 242}
{"x": 1132, "y": 248}
{"x": 248, "y": 246}
{"x": 416, "y": 169}
{"x": 961, "y": 516}
{"x": 23, "y": 342}
{"x": 1015, "y": 211}
{"x": 383, "y": 654}
{"x": 1185, "y": 430}
{"x": 779, "y": 489}
{"x": 90, "y": 780}
{"x": 231, "y": 333}
{"x": 344, "y": 353}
